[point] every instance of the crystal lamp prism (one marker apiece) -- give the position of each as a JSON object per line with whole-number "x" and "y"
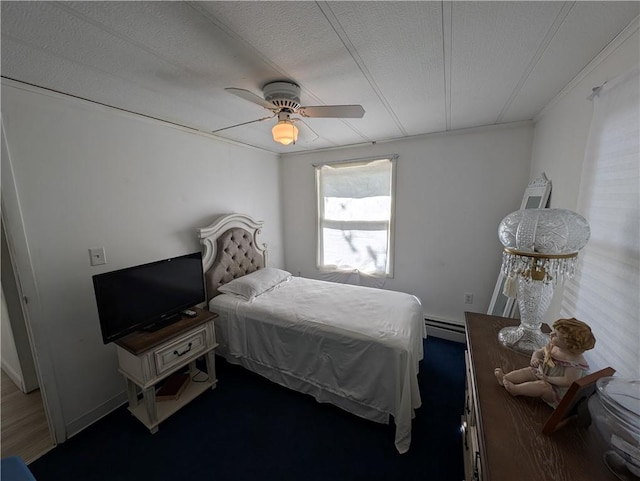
{"x": 540, "y": 251}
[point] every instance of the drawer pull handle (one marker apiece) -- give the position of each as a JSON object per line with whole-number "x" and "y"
{"x": 183, "y": 352}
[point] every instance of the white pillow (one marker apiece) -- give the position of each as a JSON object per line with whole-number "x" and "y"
{"x": 256, "y": 283}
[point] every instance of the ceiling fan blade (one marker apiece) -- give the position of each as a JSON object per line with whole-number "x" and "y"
{"x": 243, "y": 123}
{"x": 305, "y": 133}
{"x": 333, "y": 111}
{"x": 251, "y": 97}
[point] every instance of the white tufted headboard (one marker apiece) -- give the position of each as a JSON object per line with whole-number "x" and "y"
{"x": 230, "y": 250}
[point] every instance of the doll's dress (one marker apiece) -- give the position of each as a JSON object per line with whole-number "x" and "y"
{"x": 556, "y": 368}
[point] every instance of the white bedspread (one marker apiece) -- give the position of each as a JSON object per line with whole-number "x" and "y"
{"x": 356, "y": 347}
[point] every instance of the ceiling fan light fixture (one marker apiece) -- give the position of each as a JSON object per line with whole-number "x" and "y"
{"x": 282, "y": 98}
{"x": 285, "y": 132}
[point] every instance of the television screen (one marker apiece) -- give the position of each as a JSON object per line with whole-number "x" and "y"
{"x": 148, "y": 295}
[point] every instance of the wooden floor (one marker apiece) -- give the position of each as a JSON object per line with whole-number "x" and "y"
{"x": 25, "y": 432}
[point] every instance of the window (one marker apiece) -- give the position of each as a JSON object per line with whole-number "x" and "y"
{"x": 355, "y": 216}
{"x": 604, "y": 293}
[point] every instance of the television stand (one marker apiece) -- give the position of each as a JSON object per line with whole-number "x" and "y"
{"x": 147, "y": 358}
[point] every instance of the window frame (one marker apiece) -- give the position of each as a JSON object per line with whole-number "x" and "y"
{"x": 389, "y": 273}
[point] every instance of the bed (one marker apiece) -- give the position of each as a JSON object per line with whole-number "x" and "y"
{"x": 355, "y": 347}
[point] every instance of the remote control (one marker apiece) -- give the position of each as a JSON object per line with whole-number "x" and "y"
{"x": 190, "y": 313}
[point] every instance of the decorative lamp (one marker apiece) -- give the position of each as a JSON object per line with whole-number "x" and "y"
{"x": 285, "y": 132}
{"x": 540, "y": 250}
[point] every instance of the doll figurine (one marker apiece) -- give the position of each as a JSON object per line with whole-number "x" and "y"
{"x": 554, "y": 367}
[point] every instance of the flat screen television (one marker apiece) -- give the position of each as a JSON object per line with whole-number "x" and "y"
{"x": 148, "y": 296}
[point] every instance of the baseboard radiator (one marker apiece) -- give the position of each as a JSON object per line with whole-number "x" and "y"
{"x": 445, "y": 330}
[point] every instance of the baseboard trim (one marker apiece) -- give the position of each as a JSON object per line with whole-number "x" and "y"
{"x": 445, "y": 330}
{"x": 14, "y": 376}
{"x": 86, "y": 420}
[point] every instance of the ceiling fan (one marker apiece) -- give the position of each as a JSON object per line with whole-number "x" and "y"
{"x": 283, "y": 99}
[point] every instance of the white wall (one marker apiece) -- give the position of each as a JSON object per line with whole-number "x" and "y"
{"x": 452, "y": 192}
{"x": 560, "y": 135}
{"x": 88, "y": 176}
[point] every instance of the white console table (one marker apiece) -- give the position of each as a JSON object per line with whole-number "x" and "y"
{"x": 147, "y": 358}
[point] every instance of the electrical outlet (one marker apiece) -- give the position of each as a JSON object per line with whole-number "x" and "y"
{"x": 468, "y": 298}
{"x": 97, "y": 256}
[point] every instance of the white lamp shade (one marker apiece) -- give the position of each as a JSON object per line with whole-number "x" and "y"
{"x": 542, "y": 243}
{"x": 544, "y": 231}
{"x": 285, "y": 132}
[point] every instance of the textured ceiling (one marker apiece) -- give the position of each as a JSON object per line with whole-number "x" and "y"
{"x": 415, "y": 67}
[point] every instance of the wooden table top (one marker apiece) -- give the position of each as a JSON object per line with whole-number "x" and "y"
{"x": 139, "y": 342}
{"x": 512, "y": 445}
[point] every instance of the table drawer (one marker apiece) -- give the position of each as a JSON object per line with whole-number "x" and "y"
{"x": 183, "y": 349}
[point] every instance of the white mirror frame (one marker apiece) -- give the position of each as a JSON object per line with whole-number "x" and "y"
{"x": 500, "y": 304}
{"x": 536, "y": 196}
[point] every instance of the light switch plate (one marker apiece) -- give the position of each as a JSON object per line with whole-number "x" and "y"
{"x": 97, "y": 256}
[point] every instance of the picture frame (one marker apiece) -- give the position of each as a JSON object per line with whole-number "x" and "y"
{"x": 578, "y": 392}
{"x": 536, "y": 196}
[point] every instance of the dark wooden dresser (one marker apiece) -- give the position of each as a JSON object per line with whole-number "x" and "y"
{"x": 503, "y": 438}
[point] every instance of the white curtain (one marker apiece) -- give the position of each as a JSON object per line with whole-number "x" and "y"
{"x": 606, "y": 290}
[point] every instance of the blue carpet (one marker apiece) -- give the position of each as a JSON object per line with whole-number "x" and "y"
{"x": 249, "y": 428}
